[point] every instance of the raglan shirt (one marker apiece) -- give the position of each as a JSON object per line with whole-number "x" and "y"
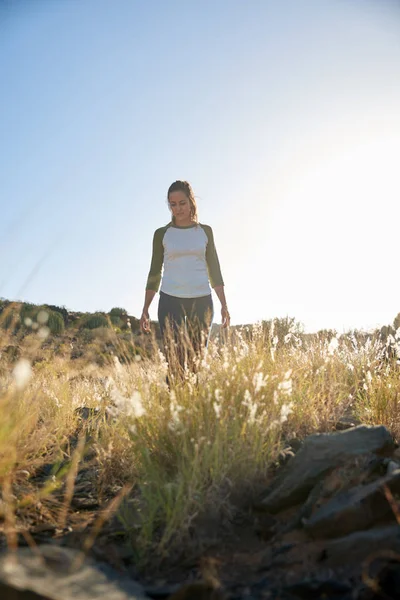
{"x": 189, "y": 258}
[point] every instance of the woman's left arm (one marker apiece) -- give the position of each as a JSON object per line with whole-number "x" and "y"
{"x": 214, "y": 271}
{"x": 226, "y": 318}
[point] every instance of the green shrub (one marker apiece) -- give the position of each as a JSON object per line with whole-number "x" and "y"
{"x": 135, "y": 324}
{"x": 28, "y": 310}
{"x": 116, "y": 321}
{"x": 3, "y": 304}
{"x": 60, "y": 310}
{"x": 119, "y": 317}
{"x": 55, "y": 323}
{"x": 118, "y": 312}
{"x": 95, "y": 321}
{"x": 12, "y": 353}
{"x": 10, "y": 320}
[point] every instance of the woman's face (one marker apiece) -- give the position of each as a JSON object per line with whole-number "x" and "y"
{"x": 180, "y": 207}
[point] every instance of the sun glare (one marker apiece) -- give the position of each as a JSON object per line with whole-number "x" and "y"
{"x": 334, "y": 239}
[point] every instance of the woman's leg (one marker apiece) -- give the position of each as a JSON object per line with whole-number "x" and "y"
{"x": 171, "y": 317}
{"x": 198, "y": 321}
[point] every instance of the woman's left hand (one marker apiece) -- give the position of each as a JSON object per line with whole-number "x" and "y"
{"x": 226, "y": 318}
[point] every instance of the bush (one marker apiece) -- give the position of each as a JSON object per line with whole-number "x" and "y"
{"x": 117, "y": 321}
{"x": 55, "y": 323}
{"x": 60, "y": 310}
{"x": 10, "y": 320}
{"x": 118, "y": 312}
{"x": 3, "y": 304}
{"x": 281, "y": 328}
{"x": 28, "y": 310}
{"x": 135, "y": 324}
{"x": 12, "y": 353}
{"x": 95, "y": 321}
{"x": 119, "y": 317}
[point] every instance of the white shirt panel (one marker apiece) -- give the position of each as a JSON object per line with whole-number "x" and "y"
{"x": 185, "y": 272}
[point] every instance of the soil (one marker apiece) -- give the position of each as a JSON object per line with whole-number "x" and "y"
{"x": 248, "y": 558}
{"x": 253, "y": 555}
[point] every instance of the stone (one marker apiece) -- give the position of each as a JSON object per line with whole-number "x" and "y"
{"x": 320, "y": 454}
{"x": 351, "y": 473}
{"x": 82, "y": 502}
{"x": 199, "y": 591}
{"x": 313, "y": 588}
{"x": 345, "y": 423}
{"x": 353, "y": 510}
{"x": 392, "y": 467}
{"x": 353, "y": 549}
{"x": 49, "y": 573}
{"x": 388, "y": 577}
{"x": 345, "y": 554}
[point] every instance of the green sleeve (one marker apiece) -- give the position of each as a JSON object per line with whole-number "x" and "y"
{"x": 214, "y": 269}
{"x": 157, "y": 259}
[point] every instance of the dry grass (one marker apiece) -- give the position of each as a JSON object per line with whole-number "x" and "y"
{"x": 192, "y": 449}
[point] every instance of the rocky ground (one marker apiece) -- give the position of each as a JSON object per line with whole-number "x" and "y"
{"x": 328, "y": 527}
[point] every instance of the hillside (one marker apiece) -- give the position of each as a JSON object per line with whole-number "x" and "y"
{"x": 90, "y": 337}
{"x": 99, "y": 337}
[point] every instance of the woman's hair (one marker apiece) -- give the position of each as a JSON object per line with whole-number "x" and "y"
{"x": 186, "y": 188}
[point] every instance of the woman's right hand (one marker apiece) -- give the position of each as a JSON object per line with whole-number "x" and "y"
{"x": 145, "y": 322}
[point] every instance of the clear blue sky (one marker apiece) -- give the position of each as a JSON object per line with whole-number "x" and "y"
{"x": 284, "y": 116}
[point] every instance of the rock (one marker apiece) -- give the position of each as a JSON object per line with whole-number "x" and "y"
{"x": 388, "y": 578}
{"x": 356, "y": 547}
{"x": 43, "y": 529}
{"x": 265, "y": 526}
{"x": 352, "y": 472}
{"x": 392, "y": 467}
{"x": 295, "y": 444}
{"x": 345, "y": 554}
{"x": 313, "y": 588}
{"x": 86, "y": 412}
{"x": 198, "y": 591}
{"x": 354, "y": 510}
{"x": 84, "y": 502}
{"x": 52, "y": 576}
{"x": 161, "y": 592}
{"x": 344, "y": 424}
{"x": 319, "y": 454}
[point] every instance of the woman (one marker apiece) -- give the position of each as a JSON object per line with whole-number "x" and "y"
{"x": 186, "y": 249}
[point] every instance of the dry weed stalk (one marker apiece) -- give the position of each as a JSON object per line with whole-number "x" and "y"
{"x": 9, "y": 514}
{"x": 104, "y": 515}
{"x": 70, "y": 479}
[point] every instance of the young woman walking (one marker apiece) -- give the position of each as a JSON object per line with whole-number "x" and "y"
{"x": 187, "y": 251}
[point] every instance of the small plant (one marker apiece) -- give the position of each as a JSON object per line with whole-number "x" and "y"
{"x": 8, "y": 320}
{"x": 116, "y": 321}
{"x": 119, "y": 317}
{"x": 118, "y": 312}
{"x": 95, "y": 321}
{"x": 60, "y": 310}
{"x": 3, "y": 304}
{"x": 28, "y": 311}
{"x": 55, "y": 323}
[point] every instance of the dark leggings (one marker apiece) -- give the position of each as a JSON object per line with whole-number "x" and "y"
{"x": 185, "y": 326}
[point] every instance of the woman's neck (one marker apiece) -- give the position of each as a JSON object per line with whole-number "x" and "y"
{"x": 186, "y": 223}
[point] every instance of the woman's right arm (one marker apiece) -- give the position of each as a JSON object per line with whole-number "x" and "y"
{"x": 153, "y": 279}
{"x": 145, "y": 318}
